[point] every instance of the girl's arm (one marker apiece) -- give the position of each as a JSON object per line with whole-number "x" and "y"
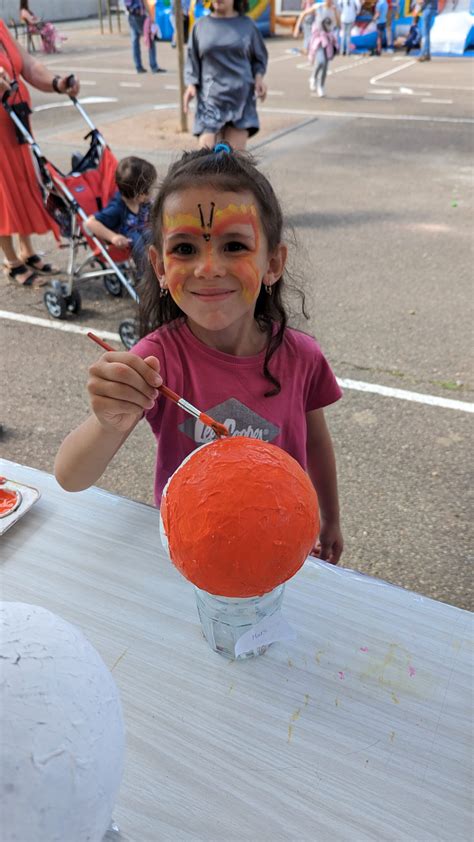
{"x": 301, "y": 18}
{"x": 322, "y": 471}
{"x": 121, "y": 386}
{"x": 192, "y": 70}
{"x": 104, "y": 233}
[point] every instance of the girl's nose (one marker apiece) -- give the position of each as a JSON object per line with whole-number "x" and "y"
{"x": 209, "y": 264}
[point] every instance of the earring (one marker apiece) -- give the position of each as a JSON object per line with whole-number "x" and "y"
{"x": 268, "y": 289}
{"x": 163, "y": 292}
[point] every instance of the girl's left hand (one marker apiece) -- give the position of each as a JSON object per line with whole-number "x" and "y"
{"x": 330, "y": 544}
{"x": 260, "y": 88}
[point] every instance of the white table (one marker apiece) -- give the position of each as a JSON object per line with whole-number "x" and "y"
{"x": 358, "y": 730}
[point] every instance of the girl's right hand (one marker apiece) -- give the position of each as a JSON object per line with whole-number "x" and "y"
{"x": 189, "y": 94}
{"x": 121, "y": 388}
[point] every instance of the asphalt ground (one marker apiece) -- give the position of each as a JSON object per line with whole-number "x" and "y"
{"x": 376, "y": 184}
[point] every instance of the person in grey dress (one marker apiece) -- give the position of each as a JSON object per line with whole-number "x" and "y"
{"x": 225, "y": 66}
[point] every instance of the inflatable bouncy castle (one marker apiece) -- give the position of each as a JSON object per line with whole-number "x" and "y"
{"x": 260, "y": 10}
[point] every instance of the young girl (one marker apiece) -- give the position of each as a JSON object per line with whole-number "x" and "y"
{"x": 214, "y": 329}
{"x": 323, "y": 42}
{"x": 227, "y": 60}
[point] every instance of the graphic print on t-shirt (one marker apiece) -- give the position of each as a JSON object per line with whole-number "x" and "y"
{"x": 239, "y": 419}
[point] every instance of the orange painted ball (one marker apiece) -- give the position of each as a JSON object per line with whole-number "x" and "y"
{"x": 240, "y": 516}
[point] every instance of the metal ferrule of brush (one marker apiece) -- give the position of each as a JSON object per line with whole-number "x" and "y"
{"x": 188, "y": 407}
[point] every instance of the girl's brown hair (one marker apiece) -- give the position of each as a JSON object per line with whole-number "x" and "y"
{"x": 235, "y": 172}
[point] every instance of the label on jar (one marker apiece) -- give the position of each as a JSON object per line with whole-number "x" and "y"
{"x": 268, "y": 630}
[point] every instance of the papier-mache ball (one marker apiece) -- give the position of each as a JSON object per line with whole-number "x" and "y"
{"x": 62, "y": 733}
{"x": 240, "y": 516}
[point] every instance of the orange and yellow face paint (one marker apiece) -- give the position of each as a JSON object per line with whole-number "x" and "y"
{"x": 211, "y": 227}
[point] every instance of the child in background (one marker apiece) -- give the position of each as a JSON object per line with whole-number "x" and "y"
{"x": 214, "y": 328}
{"x": 413, "y": 41}
{"x": 323, "y": 42}
{"x": 125, "y": 221}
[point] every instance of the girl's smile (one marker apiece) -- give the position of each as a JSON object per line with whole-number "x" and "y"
{"x": 213, "y": 261}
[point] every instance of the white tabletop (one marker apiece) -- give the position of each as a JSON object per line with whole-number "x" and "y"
{"x": 357, "y": 730}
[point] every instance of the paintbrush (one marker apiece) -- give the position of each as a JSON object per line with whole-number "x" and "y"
{"x": 219, "y": 429}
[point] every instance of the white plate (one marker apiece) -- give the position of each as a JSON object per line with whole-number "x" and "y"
{"x": 29, "y": 496}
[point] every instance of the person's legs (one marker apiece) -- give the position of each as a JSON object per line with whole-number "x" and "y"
{"x": 152, "y": 57}
{"x": 13, "y": 263}
{"x": 136, "y": 29}
{"x": 207, "y": 139}
{"x": 236, "y": 137}
{"x": 346, "y": 39}
{"x": 324, "y": 70}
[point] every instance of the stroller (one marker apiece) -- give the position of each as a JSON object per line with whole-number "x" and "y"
{"x": 70, "y": 200}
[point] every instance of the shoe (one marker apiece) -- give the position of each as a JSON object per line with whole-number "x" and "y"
{"x": 321, "y": 90}
{"x": 35, "y": 262}
{"x": 424, "y": 58}
{"x": 141, "y": 70}
{"x": 159, "y": 70}
{"x": 31, "y": 279}
{"x": 312, "y": 84}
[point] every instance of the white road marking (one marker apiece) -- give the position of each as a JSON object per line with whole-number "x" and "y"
{"x": 282, "y": 58}
{"x": 87, "y": 83}
{"x": 403, "y": 395}
{"x": 116, "y": 71}
{"x": 397, "y": 69}
{"x": 438, "y": 101}
{"x": 87, "y": 100}
{"x": 66, "y": 327}
{"x": 171, "y": 87}
{"x": 362, "y": 115}
{"x": 130, "y": 84}
{"x": 164, "y": 106}
{"x": 382, "y": 91}
{"x": 356, "y": 385}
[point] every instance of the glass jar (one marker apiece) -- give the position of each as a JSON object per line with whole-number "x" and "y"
{"x": 225, "y": 619}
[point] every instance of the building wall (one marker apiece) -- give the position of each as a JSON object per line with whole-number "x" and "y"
{"x": 52, "y": 9}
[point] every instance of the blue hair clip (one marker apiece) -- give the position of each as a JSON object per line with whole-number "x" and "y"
{"x": 222, "y": 147}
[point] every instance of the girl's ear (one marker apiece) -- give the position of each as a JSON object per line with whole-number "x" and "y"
{"x": 276, "y": 265}
{"x": 156, "y": 261}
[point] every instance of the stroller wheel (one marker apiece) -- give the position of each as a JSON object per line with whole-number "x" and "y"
{"x": 113, "y": 285}
{"x": 128, "y": 333}
{"x": 55, "y": 304}
{"x": 74, "y": 302}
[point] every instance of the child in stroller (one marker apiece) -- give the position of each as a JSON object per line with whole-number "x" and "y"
{"x": 125, "y": 221}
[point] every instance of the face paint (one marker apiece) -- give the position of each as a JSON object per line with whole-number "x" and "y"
{"x": 245, "y": 266}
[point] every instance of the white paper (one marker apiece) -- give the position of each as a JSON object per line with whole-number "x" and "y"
{"x": 268, "y": 630}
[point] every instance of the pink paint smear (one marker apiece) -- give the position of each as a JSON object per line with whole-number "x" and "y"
{"x": 411, "y": 671}
{"x": 364, "y": 648}
{"x": 341, "y": 675}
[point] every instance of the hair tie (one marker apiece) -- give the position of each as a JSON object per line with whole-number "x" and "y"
{"x": 222, "y": 147}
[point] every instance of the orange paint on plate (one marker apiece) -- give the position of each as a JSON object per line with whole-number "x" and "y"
{"x": 8, "y": 501}
{"x": 241, "y": 516}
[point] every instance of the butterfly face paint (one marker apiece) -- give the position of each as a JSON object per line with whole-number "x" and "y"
{"x": 220, "y": 246}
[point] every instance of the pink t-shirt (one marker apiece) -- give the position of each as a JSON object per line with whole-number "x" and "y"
{"x": 231, "y": 390}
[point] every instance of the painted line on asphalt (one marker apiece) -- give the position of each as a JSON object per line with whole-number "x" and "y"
{"x": 368, "y": 115}
{"x": 130, "y": 84}
{"x": 87, "y": 100}
{"x": 403, "y": 395}
{"x": 66, "y": 327}
{"x": 438, "y": 101}
{"x": 356, "y": 385}
{"x": 116, "y": 71}
{"x": 390, "y": 72}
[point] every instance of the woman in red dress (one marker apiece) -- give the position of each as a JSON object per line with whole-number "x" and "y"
{"x": 21, "y": 206}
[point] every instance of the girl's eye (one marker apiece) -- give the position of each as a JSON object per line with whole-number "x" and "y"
{"x": 235, "y": 245}
{"x": 183, "y": 249}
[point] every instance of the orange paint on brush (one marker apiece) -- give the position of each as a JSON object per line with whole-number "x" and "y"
{"x": 241, "y": 516}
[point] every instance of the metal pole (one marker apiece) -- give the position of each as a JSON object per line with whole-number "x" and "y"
{"x": 101, "y": 19}
{"x": 178, "y": 18}
{"x": 109, "y": 11}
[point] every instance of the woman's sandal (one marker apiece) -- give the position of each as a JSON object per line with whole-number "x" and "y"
{"x": 32, "y": 280}
{"x": 34, "y": 260}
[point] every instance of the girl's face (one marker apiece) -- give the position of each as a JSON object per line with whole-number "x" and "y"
{"x": 214, "y": 256}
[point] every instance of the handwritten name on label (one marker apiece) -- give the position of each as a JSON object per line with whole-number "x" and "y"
{"x": 268, "y": 630}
